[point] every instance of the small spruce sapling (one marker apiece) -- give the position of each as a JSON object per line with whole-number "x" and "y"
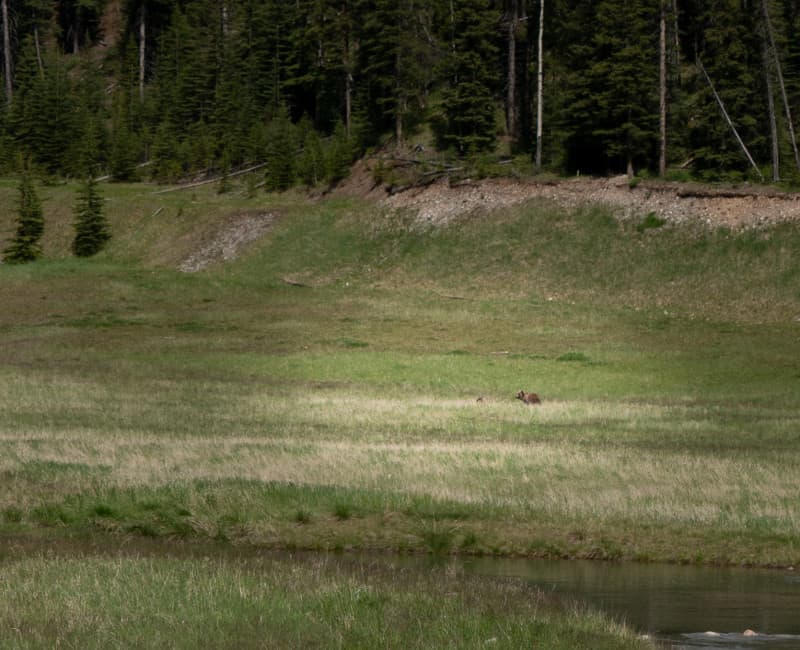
{"x": 91, "y": 227}
{"x": 24, "y": 246}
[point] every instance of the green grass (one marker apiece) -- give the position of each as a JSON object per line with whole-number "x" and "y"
{"x": 256, "y": 602}
{"x": 230, "y": 405}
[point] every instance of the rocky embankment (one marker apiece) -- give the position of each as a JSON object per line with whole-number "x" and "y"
{"x": 733, "y": 207}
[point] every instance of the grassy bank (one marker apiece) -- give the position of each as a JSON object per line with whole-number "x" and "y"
{"x": 341, "y": 411}
{"x": 256, "y": 602}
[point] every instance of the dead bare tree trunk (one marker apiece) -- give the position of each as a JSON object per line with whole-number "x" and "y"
{"x": 728, "y": 120}
{"x": 347, "y": 64}
{"x": 348, "y": 102}
{"x": 142, "y": 47}
{"x": 779, "y": 72}
{"x": 511, "y": 95}
{"x": 76, "y": 33}
{"x": 224, "y": 17}
{"x": 7, "y": 73}
{"x": 676, "y": 35}
{"x": 773, "y": 122}
{"x": 38, "y": 50}
{"x": 398, "y": 127}
{"x": 399, "y": 105}
{"x": 662, "y": 93}
{"x": 539, "y": 92}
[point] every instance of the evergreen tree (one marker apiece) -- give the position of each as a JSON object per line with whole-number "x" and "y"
{"x": 729, "y": 48}
{"x": 235, "y": 110}
{"x": 166, "y": 165}
{"x": 124, "y": 147}
{"x": 311, "y": 163}
{"x": 24, "y": 246}
{"x": 788, "y": 18}
{"x": 472, "y": 67}
{"x": 274, "y": 49}
{"x": 281, "y": 153}
{"x": 624, "y": 75}
{"x": 397, "y": 60}
{"x": 200, "y": 84}
{"x": 43, "y": 115}
{"x": 90, "y": 150}
{"x": 8, "y": 75}
{"x": 339, "y": 154}
{"x": 6, "y": 143}
{"x": 197, "y": 79}
{"x": 91, "y": 228}
{"x": 145, "y": 22}
{"x": 608, "y": 113}
{"x": 79, "y": 22}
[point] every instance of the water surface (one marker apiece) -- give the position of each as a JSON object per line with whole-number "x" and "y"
{"x": 686, "y": 606}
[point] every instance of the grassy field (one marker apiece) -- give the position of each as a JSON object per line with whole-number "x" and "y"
{"x": 228, "y": 405}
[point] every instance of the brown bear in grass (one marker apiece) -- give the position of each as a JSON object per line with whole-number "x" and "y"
{"x": 528, "y": 398}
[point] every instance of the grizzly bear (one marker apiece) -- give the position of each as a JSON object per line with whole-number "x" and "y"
{"x": 528, "y": 398}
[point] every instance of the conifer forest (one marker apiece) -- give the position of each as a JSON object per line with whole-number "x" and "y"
{"x": 170, "y": 89}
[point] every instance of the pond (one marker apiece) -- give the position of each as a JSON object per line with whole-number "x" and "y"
{"x": 684, "y": 606}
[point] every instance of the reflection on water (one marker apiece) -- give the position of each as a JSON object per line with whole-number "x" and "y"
{"x": 734, "y": 641}
{"x": 687, "y": 607}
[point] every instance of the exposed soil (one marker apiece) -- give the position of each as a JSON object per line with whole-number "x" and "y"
{"x": 229, "y": 240}
{"x": 735, "y": 208}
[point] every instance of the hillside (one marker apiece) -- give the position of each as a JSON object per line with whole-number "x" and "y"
{"x": 704, "y": 251}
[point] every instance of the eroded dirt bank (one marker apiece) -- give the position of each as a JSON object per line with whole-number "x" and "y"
{"x": 733, "y": 207}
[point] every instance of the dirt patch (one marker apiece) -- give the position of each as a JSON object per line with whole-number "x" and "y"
{"x": 736, "y": 208}
{"x": 229, "y": 240}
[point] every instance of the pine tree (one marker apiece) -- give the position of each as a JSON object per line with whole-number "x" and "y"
{"x": 24, "y": 246}
{"x": 79, "y": 21}
{"x": 91, "y": 228}
{"x": 339, "y": 154}
{"x": 311, "y": 163}
{"x": 8, "y": 77}
{"x": 124, "y": 146}
{"x": 43, "y": 116}
{"x": 281, "y": 153}
{"x": 165, "y": 154}
{"x": 398, "y": 56}
{"x": 473, "y": 74}
{"x": 6, "y": 143}
{"x": 608, "y": 113}
{"x": 729, "y": 49}
{"x": 626, "y": 69}
{"x": 235, "y": 110}
{"x": 274, "y": 47}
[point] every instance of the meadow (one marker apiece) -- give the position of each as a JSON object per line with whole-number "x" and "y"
{"x": 321, "y": 392}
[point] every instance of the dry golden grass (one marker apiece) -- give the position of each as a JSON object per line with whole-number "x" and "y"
{"x": 595, "y": 472}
